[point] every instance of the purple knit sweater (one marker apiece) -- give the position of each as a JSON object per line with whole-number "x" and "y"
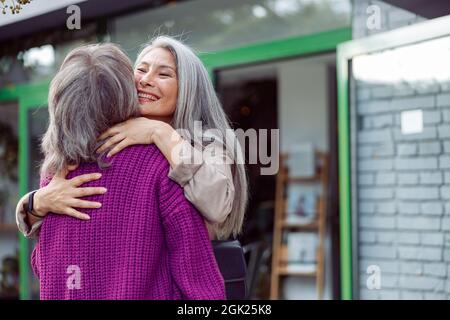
{"x": 145, "y": 242}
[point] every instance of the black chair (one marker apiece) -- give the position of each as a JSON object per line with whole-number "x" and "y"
{"x": 231, "y": 261}
{"x": 254, "y": 253}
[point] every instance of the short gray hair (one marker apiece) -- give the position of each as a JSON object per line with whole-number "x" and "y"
{"x": 197, "y": 101}
{"x": 92, "y": 91}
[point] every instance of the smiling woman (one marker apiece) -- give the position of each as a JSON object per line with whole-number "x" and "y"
{"x": 175, "y": 93}
{"x": 157, "y": 84}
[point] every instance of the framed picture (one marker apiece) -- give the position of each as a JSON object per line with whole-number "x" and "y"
{"x": 301, "y": 203}
{"x": 301, "y": 160}
{"x": 302, "y": 247}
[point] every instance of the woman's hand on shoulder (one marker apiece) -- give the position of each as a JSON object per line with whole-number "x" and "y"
{"x": 61, "y": 195}
{"x": 134, "y": 131}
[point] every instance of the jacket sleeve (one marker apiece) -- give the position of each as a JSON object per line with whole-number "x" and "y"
{"x": 207, "y": 180}
{"x": 192, "y": 262}
{"x": 27, "y": 230}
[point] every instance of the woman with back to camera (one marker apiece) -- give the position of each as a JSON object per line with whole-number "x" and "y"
{"x": 146, "y": 241}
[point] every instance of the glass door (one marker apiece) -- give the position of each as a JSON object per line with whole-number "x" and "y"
{"x": 30, "y": 123}
{"x": 394, "y": 118}
{"x": 9, "y": 192}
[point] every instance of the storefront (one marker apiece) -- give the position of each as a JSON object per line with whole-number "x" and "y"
{"x": 257, "y": 49}
{"x": 292, "y": 66}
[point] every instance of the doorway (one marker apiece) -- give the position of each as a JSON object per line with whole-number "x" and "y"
{"x": 298, "y": 97}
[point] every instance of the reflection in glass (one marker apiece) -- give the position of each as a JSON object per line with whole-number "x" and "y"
{"x": 216, "y": 25}
{"x": 37, "y": 124}
{"x": 38, "y": 120}
{"x": 41, "y": 62}
{"x": 401, "y": 151}
{"x": 421, "y": 63}
{"x": 9, "y": 192}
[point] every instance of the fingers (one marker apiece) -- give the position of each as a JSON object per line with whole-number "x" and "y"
{"x": 63, "y": 173}
{"x": 79, "y": 180}
{"x": 76, "y": 214}
{"x": 111, "y": 141}
{"x": 84, "y": 204}
{"x": 72, "y": 167}
{"x": 106, "y": 134}
{"x": 122, "y": 145}
{"x": 110, "y": 132}
{"x": 89, "y": 191}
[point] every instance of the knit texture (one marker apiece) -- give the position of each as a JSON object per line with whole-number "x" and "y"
{"x": 145, "y": 242}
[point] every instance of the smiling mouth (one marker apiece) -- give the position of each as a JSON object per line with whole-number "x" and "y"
{"x": 147, "y": 97}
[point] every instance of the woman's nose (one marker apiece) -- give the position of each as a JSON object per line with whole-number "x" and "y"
{"x": 147, "y": 80}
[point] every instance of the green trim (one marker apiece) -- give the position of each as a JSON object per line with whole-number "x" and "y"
{"x": 277, "y": 49}
{"x": 9, "y": 93}
{"x": 32, "y": 96}
{"x": 344, "y": 178}
{"x": 22, "y": 91}
{"x": 24, "y": 268}
{"x": 28, "y": 96}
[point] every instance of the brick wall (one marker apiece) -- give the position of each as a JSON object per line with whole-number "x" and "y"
{"x": 403, "y": 180}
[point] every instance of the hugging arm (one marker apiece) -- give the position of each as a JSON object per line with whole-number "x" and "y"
{"x": 207, "y": 183}
{"x": 60, "y": 196}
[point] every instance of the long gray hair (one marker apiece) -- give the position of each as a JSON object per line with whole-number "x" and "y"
{"x": 92, "y": 91}
{"x": 197, "y": 101}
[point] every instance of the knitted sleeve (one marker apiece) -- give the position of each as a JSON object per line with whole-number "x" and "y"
{"x": 192, "y": 262}
{"x": 35, "y": 261}
{"x": 45, "y": 180}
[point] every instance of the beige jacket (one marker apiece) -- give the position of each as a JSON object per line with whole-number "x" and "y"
{"x": 208, "y": 185}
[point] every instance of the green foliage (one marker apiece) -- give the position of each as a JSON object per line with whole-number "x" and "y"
{"x": 15, "y": 5}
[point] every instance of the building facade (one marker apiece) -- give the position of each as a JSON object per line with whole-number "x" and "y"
{"x": 347, "y": 78}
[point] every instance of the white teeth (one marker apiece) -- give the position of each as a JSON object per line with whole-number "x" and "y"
{"x": 147, "y": 96}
